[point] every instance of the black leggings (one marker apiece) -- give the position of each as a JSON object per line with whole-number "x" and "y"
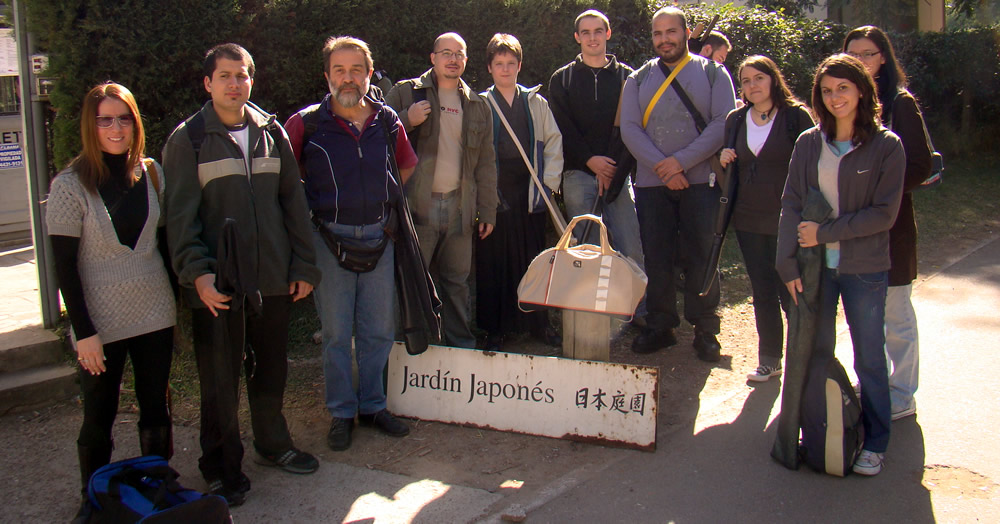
{"x": 151, "y": 354}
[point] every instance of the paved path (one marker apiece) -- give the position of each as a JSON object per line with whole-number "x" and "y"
{"x": 943, "y": 465}
{"x": 19, "y": 299}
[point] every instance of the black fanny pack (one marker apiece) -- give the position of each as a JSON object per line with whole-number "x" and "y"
{"x": 353, "y": 257}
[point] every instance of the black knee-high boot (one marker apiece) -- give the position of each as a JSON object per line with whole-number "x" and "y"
{"x": 157, "y": 441}
{"x": 91, "y": 459}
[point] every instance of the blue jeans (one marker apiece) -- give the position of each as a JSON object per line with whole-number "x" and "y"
{"x": 447, "y": 251}
{"x": 580, "y": 193}
{"x": 668, "y": 220}
{"x": 864, "y": 305}
{"x": 345, "y": 300}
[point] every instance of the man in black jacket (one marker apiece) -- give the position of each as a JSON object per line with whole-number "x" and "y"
{"x": 583, "y": 96}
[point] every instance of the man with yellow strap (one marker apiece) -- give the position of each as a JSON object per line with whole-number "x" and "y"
{"x": 673, "y": 114}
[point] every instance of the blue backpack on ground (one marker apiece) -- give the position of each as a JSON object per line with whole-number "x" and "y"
{"x": 145, "y": 489}
{"x": 830, "y": 417}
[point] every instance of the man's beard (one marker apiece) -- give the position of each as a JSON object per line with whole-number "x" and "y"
{"x": 674, "y": 54}
{"x": 347, "y": 99}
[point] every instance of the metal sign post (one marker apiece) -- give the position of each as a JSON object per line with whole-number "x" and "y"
{"x": 36, "y": 167}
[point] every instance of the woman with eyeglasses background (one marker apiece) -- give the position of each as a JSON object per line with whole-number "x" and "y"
{"x": 105, "y": 223}
{"x": 857, "y": 166}
{"x": 901, "y": 114}
{"x": 769, "y": 124}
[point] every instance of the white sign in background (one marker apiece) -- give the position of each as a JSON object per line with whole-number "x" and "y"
{"x": 582, "y": 400}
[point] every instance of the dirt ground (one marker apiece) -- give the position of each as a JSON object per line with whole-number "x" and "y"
{"x": 38, "y": 445}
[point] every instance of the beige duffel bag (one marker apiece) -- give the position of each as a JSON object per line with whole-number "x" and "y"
{"x": 586, "y": 277}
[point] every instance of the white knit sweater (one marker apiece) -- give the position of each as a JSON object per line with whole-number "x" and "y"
{"x": 127, "y": 290}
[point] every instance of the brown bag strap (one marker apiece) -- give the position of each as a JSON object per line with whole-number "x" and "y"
{"x": 154, "y": 177}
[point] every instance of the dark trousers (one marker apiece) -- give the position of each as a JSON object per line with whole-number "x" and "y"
{"x": 265, "y": 340}
{"x": 668, "y": 220}
{"x": 150, "y": 354}
{"x": 770, "y": 296}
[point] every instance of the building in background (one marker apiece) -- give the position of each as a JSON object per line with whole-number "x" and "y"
{"x": 15, "y": 220}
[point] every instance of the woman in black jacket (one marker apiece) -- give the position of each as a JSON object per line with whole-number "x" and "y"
{"x": 901, "y": 114}
{"x": 768, "y": 125}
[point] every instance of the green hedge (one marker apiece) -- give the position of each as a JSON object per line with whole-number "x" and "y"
{"x": 155, "y": 49}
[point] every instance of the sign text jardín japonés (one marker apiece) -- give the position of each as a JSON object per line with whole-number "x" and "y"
{"x": 574, "y": 399}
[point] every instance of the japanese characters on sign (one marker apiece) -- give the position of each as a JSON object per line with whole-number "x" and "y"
{"x": 574, "y": 399}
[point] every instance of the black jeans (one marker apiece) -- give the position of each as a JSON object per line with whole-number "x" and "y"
{"x": 667, "y": 220}
{"x": 770, "y": 296}
{"x": 266, "y": 369}
{"x": 151, "y": 354}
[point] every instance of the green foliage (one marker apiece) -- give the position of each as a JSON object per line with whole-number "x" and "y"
{"x": 796, "y": 44}
{"x": 156, "y": 48}
{"x": 956, "y": 77}
{"x": 153, "y": 48}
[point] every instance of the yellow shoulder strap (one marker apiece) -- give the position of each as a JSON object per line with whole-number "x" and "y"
{"x": 663, "y": 87}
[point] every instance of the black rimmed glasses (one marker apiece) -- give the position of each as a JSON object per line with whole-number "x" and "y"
{"x": 448, "y": 54}
{"x": 104, "y": 122}
{"x": 865, "y": 55}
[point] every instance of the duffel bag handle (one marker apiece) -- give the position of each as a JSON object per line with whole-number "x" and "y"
{"x": 564, "y": 241}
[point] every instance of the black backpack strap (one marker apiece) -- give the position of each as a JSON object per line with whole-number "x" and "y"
{"x": 567, "y": 76}
{"x": 310, "y": 122}
{"x": 792, "y": 124}
{"x": 196, "y": 132}
{"x": 699, "y": 121}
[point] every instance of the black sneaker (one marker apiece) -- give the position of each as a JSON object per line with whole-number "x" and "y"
{"x": 386, "y": 423}
{"x": 707, "y": 346}
{"x": 243, "y": 486}
{"x": 339, "y": 437}
{"x": 650, "y": 340}
{"x": 292, "y": 461}
{"x": 233, "y": 497}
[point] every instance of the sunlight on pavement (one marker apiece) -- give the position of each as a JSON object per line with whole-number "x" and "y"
{"x": 403, "y": 507}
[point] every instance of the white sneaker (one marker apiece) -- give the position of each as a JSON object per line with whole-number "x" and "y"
{"x": 764, "y": 373}
{"x": 869, "y": 463}
{"x": 898, "y": 413}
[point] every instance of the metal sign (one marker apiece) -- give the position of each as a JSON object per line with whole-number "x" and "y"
{"x": 11, "y": 156}
{"x": 607, "y": 403}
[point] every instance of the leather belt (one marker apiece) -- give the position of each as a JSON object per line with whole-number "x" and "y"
{"x": 444, "y": 196}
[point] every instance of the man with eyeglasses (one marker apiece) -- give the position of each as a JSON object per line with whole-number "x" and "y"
{"x": 583, "y": 95}
{"x": 453, "y": 191}
{"x": 232, "y": 180}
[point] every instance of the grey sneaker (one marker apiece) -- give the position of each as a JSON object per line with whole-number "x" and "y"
{"x": 869, "y": 463}
{"x": 764, "y": 373}
{"x": 903, "y": 412}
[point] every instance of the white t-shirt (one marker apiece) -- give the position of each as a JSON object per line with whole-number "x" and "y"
{"x": 757, "y": 135}
{"x": 242, "y": 137}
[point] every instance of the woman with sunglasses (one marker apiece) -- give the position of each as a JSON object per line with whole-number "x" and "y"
{"x": 768, "y": 124}
{"x": 857, "y": 166}
{"x": 901, "y": 114}
{"x": 104, "y": 218}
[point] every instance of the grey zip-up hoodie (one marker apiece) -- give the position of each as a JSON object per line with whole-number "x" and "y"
{"x": 870, "y": 185}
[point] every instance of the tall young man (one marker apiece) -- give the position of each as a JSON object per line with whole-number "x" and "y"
{"x": 583, "y": 95}
{"x": 676, "y": 193}
{"x": 453, "y": 191}
{"x": 231, "y": 179}
{"x": 351, "y": 191}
